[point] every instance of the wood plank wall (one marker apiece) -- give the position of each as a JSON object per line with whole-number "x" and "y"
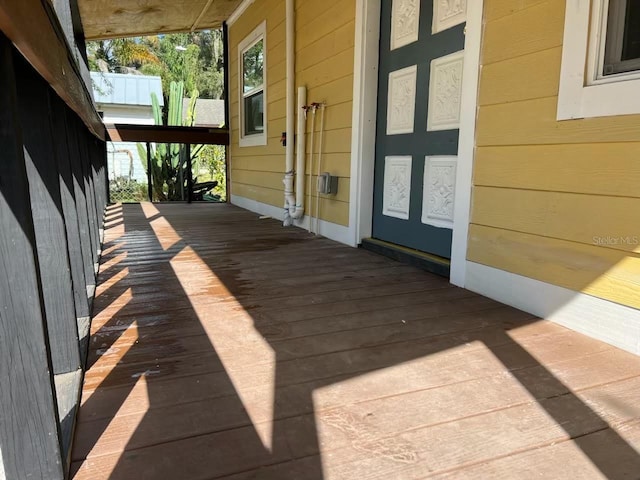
{"x": 554, "y": 201}
{"x": 52, "y": 198}
{"x": 325, "y": 33}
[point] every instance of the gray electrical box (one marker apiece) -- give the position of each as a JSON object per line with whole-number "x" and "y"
{"x": 327, "y": 184}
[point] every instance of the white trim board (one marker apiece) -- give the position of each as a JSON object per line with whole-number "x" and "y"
{"x": 609, "y": 322}
{"x": 333, "y": 231}
{"x": 363, "y": 136}
{"x": 466, "y": 142}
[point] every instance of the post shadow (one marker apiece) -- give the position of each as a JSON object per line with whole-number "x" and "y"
{"x": 296, "y": 450}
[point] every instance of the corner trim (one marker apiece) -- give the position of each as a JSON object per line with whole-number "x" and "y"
{"x": 603, "y": 320}
{"x": 466, "y": 142}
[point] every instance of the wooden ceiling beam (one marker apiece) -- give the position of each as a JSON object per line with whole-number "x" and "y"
{"x": 162, "y": 134}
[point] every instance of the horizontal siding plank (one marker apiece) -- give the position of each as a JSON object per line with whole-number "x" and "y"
{"x": 312, "y": 26}
{"x": 602, "y": 272}
{"x": 274, "y": 180}
{"x": 495, "y": 9}
{"x": 273, "y": 11}
{"x": 536, "y": 75}
{"x": 336, "y": 141}
{"x": 337, "y": 91}
{"x": 326, "y": 47}
{"x": 325, "y": 38}
{"x": 328, "y": 70}
{"x": 533, "y": 122}
{"x": 611, "y": 221}
{"x": 594, "y": 168}
{"x": 537, "y": 28}
{"x": 336, "y": 163}
{"x": 330, "y": 210}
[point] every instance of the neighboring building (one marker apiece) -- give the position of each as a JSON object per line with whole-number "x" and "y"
{"x": 123, "y": 98}
{"x": 522, "y": 173}
{"x": 209, "y": 112}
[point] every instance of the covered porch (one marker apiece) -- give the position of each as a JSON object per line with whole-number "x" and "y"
{"x": 225, "y": 346}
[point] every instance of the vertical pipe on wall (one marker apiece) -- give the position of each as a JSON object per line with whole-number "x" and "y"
{"x": 289, "y": 199}
{"x": 314, "y": 109}
{"x": 319, "y": 168}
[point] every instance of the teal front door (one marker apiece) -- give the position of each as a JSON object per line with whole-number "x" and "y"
{"x": 420, "y": 81}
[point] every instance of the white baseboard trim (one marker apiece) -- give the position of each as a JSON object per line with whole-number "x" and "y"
{"x": 333, "y": 231}
{"x": 603, "y": 320}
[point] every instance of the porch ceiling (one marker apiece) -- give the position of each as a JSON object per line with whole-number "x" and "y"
{"x": 127, "y": 18}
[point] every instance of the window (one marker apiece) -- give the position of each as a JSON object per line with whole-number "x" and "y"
{"x": 252, "y": 75}
{"x": 600, "y": 73}
{"x": 622, "y": 39}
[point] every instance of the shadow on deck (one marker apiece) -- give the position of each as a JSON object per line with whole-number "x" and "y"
{"x": 224, "y": 346}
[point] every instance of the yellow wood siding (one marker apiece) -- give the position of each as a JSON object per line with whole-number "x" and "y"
{"x": 325, "y": 33}
{"x": 554, "y": 201}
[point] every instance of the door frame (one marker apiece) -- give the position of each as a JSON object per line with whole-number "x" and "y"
{"x": 365, "y": 94}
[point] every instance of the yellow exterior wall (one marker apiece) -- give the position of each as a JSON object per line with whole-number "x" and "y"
{"x": 554, "y": 201}
{"x": 325, "y": 33}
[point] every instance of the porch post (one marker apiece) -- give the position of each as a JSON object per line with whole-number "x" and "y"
{"x": 149, "y": 174}
{"x": 227, "y": 108}
{"x": 189, "y": 173}
{"x": 29, "y": 435}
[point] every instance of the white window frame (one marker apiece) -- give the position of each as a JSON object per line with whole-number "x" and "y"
{"x": 584, "y": 92}
{"x": 256, "y": 139}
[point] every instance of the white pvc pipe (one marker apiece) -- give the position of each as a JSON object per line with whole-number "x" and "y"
{"x": 314, "y": 108}
{"x": 321, "y": 140}
{"x": 289, "y": 199}
{"x": 298, "y": 209}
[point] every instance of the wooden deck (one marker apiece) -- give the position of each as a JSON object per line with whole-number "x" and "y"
{"x": 225, "y": 346}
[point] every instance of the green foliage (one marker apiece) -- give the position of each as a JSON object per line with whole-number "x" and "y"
{"x": 197, "y": 61}
{"x": 169, "y": 160}
{"x": 125, "y": 189}
{"x": 213, "y": 158}
{"x": 120, "y": 55}
{"x": 253, "y": 67}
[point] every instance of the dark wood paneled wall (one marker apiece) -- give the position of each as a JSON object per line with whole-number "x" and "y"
{"x": 53, "y": 192}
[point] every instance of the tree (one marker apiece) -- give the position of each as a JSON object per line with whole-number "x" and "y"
{"x": 196, "y": 59}
{"x": 122, "y": 55}
{"x": 169, "y": 161}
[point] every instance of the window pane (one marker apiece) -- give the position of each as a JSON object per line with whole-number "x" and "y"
{"x": 253, "y": 114}
{"x": 253, "y": 67}
{"x": 631, "y": 41}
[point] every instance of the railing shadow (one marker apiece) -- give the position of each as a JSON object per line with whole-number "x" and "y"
{"x": 229, "y": 344}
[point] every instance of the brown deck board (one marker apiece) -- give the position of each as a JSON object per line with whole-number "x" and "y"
{"x": 225, "y": 346}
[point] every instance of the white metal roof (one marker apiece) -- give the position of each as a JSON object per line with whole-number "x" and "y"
{"x": 124, "y": 89}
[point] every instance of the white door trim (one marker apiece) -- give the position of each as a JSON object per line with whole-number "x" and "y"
{"x": 466, "y": 142}
{"x": 365, "y": 106}
{"x": 365, "y": 94}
